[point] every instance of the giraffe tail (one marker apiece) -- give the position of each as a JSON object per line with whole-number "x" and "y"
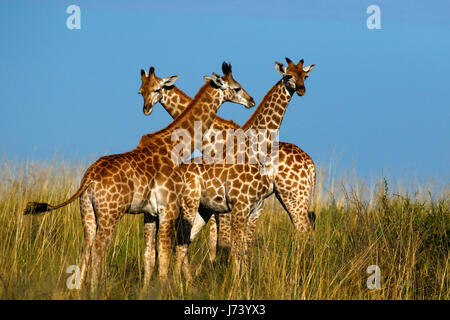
{"x": 311, "y": 214}
{"x": 35, "y": 208}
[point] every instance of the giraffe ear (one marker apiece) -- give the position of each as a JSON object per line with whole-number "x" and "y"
{"x": 217, "y": 80}
{"x": 280, "y": 68}
{"x": 169, "y": 81}
{"x": 308, "y": 69}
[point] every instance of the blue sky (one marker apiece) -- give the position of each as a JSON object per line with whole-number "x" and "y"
{"x": 377, "y": 101}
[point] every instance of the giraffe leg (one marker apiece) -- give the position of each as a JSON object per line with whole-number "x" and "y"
{"x": 238, "y": 239}
{"x": 219, "y": 235}
{"x": 191, "y": 224}
{"x": 251, "y": 225}
{"x": 201, "y": 218}
{"x": 181, "y": 248}
{"x": 224, "y": 240}
{"x": 90, "y": 230}
{"x": 167, "y": 222}
{"x": 297, "y": 208}
{"x": 190, "y": 203}
{"x": 100, "y": 246}
{"x": 150, "y": 232}
{"x": 197, "y": 226}
{"x": 213, "y": 231}
{"x": 295, "y": 190}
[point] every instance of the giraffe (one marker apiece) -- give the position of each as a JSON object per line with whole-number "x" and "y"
{"x": 236, "y": 189}
{"x": 295, "y": 177}
{"x": 245, "y": 197}
{"x": 122, "y": 183}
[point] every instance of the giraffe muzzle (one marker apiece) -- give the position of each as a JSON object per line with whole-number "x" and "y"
{"x": 301, "y": 91}
{"x": 252, "y": 103}
{"x": 147, "y": 109}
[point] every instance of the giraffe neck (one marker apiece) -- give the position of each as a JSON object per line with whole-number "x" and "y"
{"x": 175, "y": 101}
{"x": 202, "y": 108}
{"x": 270, "y": 112}
{"x": 268, "y": 115}
{"x": 266, "y": 122}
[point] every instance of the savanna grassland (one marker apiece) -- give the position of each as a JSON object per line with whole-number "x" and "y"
{"x": 406, "y": 234}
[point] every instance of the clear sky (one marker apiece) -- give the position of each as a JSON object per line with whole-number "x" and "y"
{"x": 378, "y": 100}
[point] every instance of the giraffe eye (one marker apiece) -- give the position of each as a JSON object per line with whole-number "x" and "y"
{"x": 237, "y": 89}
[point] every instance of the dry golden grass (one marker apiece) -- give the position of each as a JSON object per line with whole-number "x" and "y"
{"x": 406, "y": 235}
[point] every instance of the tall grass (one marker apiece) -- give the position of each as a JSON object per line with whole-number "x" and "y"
{"x": 405, "y": 233}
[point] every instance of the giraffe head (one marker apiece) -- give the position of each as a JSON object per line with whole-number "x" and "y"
{"x": 151, "y": 88}
{"x": 233, "y": 91}
{"x": 294, "y": 75}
